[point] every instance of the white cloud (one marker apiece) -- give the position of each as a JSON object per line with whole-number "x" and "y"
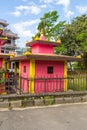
{"x": 82, "y": 9}
{"x": 65, "y": 3}
{"x": 34, "y": 9}
{"x": 22, "y": 9}
{"x": 23, "y": 28}
{"x": 43, "y": 6}
{"x": 47, "y": 1}
{"x": 69, "y": 14}
{"x": 16, "y": 13}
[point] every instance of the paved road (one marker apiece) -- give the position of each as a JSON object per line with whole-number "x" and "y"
{"x": 63, "y": 117}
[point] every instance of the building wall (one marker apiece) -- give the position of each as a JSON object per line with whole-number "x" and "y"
{"x": 1, "y": 60}
{"x": 42, "y": 49}
{"x": 25, "y": 72}
{"x": 41, "y": 70}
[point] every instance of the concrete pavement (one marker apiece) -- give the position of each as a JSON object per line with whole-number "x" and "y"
{"x": 57, "y": 117}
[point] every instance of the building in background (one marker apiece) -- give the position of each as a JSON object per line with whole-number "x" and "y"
{"x": 9, "y": 45}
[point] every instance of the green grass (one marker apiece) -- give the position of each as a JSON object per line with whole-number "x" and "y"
{"x": 50, "y": 98}
{"x": 77, "y": 83}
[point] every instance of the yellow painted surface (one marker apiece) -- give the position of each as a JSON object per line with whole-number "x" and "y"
{"x": 4, "y": 93}
{"x": 8, "y": 64}
{"x": 79, "y": 56}
{"x": 3, "y": 63}
{"x": 19, "y": 73}
{"x": 3, "y": 67}
{"x": 1, "y": 28}
{"x": 3, "y": 38}
{"x": 32, "y": 75}
{"x": 65, "y": 75}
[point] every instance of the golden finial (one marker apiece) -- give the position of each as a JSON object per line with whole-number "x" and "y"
{"x": 59, "y": 41}
{"x": 42, "y": 37}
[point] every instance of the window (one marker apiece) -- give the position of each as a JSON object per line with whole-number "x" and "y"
{"x": 24, "y": 69}
{"x": 8, "y": 41}
{"x": 50, "y": 70}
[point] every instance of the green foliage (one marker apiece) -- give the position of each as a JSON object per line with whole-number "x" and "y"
{"x": 78, "y": 66}
{"x": 60, "y": 50}
{"x": 50, "y": 99}
{"x": 74, "y": 37}
{"x": 50, "y": 26}
{"x": 2, "y": 81}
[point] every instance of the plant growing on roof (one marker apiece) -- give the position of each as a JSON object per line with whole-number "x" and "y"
{"x": 52, "y": 29}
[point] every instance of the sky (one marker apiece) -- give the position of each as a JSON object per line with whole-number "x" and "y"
{"x": 24, "y": 16}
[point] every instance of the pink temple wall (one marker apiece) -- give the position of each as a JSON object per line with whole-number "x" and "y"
{"x": 0, "y": 45}
{"x": 1, "y": 60}
{"x": 41, "y": 68}
{"x": 25, "y": 85}
{"x": 44, "y": 49}
{"x": 41, "y": 71}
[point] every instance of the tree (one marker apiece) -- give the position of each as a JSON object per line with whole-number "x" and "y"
{"x": 74, "y": 37}
{"x": 50, "y": 26}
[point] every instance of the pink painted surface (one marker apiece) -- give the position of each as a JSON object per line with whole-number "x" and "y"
{"x": 42, "y": 37}
{"x": 24, "y": 83}
{"x": 0, "y": 45}
{"x": 50, "y": 85}
{"x": 42, "y": 49}
{"x": 1, "y": 60}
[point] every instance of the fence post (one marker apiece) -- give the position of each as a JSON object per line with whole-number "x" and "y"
{"x": 28, "y": 84}
{"x": 57, "y": 83}
{"x": 20, "y": 84}
{"x": 44, "y": 84}
{"x": 86, "y": 82}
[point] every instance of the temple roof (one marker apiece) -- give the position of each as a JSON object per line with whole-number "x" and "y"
{"x": 3, "y": 22}
{"x": 3, "y": 40}
{"x": 42, "y": 42}
{"x": 9, "y": 46}
{"x": 48, "y": 57}
{"x": 4, "y": 56}
{"x": 9, "y": 33}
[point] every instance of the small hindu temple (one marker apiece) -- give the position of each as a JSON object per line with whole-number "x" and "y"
{"x": 41, "y": 63}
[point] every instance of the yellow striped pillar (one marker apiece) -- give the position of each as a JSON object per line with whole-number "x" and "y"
{"x": 32, "y": 75}
{"x": 15, "y": 69}
{"x": 19, "y": 74}
{"x": 65, "y": 76}
{"x": 8, "y": 65}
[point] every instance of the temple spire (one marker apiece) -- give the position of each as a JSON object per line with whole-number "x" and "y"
{"x": 42, "y": 37}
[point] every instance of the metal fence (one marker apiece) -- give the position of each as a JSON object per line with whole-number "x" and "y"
{"x": 45, "y": 84}
{"x": 42, "y": 85}
{"x": 9, "y": 85}
{"x": 54, "y": 84}
{"x": 77, "y": 82}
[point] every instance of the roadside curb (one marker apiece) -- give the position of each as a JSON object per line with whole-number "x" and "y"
{"x": 41, "y": 102}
